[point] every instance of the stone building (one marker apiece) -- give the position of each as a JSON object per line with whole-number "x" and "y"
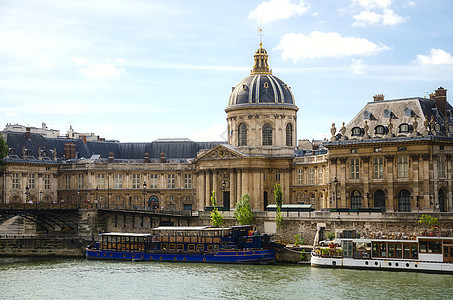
{"x": 394, "y": 155}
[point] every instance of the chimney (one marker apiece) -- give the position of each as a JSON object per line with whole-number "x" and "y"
{"x": 378, "y": 97}
{"x": 146, "y": 157}
{"x": 111, "y": 157}
{"x": 27, "y": 132}
{"x": 162, "y": 158}
{"x": 440, "y": 97}
{"x": 69, "y": 151}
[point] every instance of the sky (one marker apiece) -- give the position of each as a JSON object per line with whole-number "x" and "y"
{"x": 140, "y": 70}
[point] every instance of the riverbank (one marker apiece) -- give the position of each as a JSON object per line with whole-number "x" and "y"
{"x": 32, "y": 246}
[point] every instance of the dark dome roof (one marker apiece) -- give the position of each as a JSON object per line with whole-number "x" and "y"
{"x": 261, "y": 89}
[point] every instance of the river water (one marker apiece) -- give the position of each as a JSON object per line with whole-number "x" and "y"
{"x": 32, "y": 278}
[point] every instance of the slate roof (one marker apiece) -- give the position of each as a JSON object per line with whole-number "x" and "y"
{"x": 173, "y": 148}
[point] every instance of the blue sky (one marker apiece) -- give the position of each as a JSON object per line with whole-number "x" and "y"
{"x": 136, "y": 70}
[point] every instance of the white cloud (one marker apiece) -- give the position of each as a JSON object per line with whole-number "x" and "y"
{"x": 319, "y": 44}
{"x": 436, "y": 57}
{"x": 357, "y": 66}
{"x": 103, "y": 71}
{"x": 411, "y": 3}
{"x": 388, "y": 17}
{"x": 107, "y": 70}
{"x": 272, "y": 10}
{"x": 370, "y": 4}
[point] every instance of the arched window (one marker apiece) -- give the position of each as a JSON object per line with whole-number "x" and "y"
{"x": 242, "y": 135}
{"x": 379, "y": 129}
{"x": 289, "y": 134}
{"x": 267, "y": 134}
{"x": 356, "y": 200}
{"x": 379, "y": 199}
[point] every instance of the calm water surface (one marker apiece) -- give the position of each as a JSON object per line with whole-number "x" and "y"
{"x": 27, "y": 278}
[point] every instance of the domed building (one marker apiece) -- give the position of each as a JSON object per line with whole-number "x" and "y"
{"x": 262, "y": 113}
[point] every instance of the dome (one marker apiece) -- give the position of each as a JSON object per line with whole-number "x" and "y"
{"x": 261, "y": 87}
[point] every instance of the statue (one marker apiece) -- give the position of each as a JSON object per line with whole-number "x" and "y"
{"x": 390, "y": 127}
{"x": 366, "y": 128}
{"x": 333, "y": 130}
{"x": 432, "y": 123}
{"x": 343, "y": 129}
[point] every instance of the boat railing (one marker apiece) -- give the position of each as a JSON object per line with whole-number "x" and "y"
{"x": 407, "y": 235}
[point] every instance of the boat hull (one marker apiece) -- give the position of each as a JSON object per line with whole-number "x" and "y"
{"x": 259, "y": 256}
{"x": 382, "y": 264}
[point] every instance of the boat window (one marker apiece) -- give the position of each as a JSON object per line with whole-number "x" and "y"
{"x": 427, "y": 246}
{"x": 216, "y": 247}
{"x": 172, "y": 246}
{"x": 209, "y": 247}
{"x": 410, "y": 251}
{"x": 347, "y": 249}
{"x": 200, "y": 247}
{"x": 164, "y": 246}
{"x": 180, "y": 247}
{"x": 191, "y": 247}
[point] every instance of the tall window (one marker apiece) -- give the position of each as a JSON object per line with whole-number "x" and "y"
{"x": 289, "y": 134}
{"x": 100, "y": 178}
{"x": 15, "y": 181}
{"x": 47, "y": 181}
{"x": 80, "y": 181}
{"x": 320, "y": 176}
{"x": 242, "y": 134}
{"x": 267, "y": 134}
{"x": 118, "y": 181}
{"x": 356, "y": 200}
{"x": 300, "y": 177}
{"x": 171, "y": 181}
{"x": 187, "y": 181}
{"x": 311, "y": 176}
{"x": 153, "y": 181}
{"x": 403, "y": 167}
{"x": 441, "y": 166}
{"x": 378, "y": 168}
{"x": 277, "y": 175}
{"x": 67, "y": 181}
{"x": 136, "y": 181}
{"x": 31, "y": 181}
{"x": 355, "y": 167}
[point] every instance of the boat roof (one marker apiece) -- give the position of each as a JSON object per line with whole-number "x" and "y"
{"x": 189, "y": 228}
{"x": 125, "y": 234}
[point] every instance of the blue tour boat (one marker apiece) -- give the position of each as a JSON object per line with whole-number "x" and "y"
{"x": 236, "y": 244}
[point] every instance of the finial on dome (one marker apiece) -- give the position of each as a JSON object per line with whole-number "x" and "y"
{"x": 261, "y": 66}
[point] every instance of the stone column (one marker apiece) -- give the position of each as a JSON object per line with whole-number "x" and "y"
{"x": 239, "y": 184}
{"x": 233, "y": 199}
{"x": 201, "y": 184}
{"x": 215, "y": 186}
{"x": 208, "y": 188}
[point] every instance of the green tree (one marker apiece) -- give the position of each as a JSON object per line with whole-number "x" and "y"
{"x": 243, "y": 212}
{"x": 278, "y": 202}
{"x": 216, "y": 217}
{"x": 3, "y": 148}
{"x": 428, "y": 221}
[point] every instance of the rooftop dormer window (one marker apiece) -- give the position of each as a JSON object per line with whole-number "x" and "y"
{"x": 408, "y": 112}
{"x": 366, "y": 114}
{"x": 266, "y": 85}
{"x": 356, "y": 131}
{"x": 379, "y": 129}
{"x": 404, "y": 128}
{"x": 387, "y": 113}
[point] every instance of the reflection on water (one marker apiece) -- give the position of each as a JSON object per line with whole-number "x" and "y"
{"x": 26, "y": 278}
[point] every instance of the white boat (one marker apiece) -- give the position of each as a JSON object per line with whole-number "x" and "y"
{"x": 412, "y": 253}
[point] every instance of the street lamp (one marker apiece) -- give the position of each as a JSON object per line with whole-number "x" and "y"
{"x": 144, "y": 194}
{"x": 40, "y": 196}
{"x": 223, "y": 192}
{"x": 27, "y": 194}
{"x": 78, "y": 199}
{"x": 335, "y": 183}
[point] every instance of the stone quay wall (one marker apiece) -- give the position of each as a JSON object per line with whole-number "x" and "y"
{"x": 41, "y": 246}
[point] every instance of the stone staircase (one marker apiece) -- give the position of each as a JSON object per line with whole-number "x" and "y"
{"x": 13, "y": 226}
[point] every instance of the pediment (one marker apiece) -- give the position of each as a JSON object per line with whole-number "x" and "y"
{"x": 220, "y": 152}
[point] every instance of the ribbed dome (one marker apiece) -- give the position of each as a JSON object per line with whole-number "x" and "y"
{"x": 261, "y": 87}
